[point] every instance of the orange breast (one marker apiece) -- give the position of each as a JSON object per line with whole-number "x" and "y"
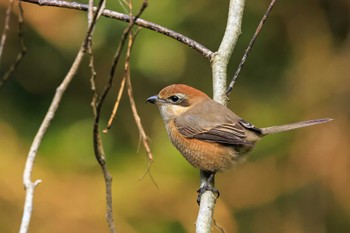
{"x": 204, "y": 155}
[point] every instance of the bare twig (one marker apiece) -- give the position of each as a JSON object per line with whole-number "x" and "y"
{"x": 22, "y": 51}
{"x": 148, "y": 172}
{"x": 122, "y": 83}
{"x": 126, "y": 18}
{"x": 98, "y": 146}
{"x": 220, "y": 228}
{"x": 91, "y": 19}
{"x": 28, "y": 184}
{"x": 97, "y": 103}
{"x": 118, "y": 54}
{"x": 93, "y": 77}
{"x": 100, "y": 156}
{"x": 251, "y": 43}
{"x": 126, "y": 77}
{"x": 91, "y": 11}
{"x": 116, "y": 105}
{"x": 137, "y": 118}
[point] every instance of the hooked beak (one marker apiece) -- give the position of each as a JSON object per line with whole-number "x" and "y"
{"x": 153, "y": 99}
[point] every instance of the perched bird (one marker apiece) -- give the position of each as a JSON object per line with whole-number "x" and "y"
{"x": 210, "y": 136}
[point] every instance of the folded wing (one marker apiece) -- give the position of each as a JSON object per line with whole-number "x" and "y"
{"x": 213, "y": 126}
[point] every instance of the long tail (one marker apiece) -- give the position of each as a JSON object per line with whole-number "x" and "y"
{"x": 281, "y": 128}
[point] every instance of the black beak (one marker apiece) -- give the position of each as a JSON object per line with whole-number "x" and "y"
{"x": 152, "y": 99}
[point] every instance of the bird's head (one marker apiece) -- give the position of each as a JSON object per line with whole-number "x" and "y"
{"x": 176, "y": 99}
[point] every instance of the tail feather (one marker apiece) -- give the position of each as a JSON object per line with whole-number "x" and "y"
{"x": 281, "y": 128}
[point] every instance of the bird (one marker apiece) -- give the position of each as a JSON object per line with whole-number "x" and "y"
{"x": 210, "y": 136}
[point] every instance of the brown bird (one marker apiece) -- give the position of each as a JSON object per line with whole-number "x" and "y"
{"x": 210, "y": 136}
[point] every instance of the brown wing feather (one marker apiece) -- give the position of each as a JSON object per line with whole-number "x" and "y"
{"x": 212, "y": 127}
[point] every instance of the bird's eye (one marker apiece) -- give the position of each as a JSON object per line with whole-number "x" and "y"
{"x": 174, "y": 98}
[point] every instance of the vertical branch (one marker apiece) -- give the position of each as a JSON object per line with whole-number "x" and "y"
{"x": 206, "y": 207}
{"x": 100, "y": 156}
{"x": 223, "y": 55}
{"x": 219, "y": 72}
{"x": 219, "y": 69}
{"x": 98, "y": 146}
{"x": 28, "y": 184}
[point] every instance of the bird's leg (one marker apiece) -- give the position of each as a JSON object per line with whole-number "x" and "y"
{"x": 207, "y": 184}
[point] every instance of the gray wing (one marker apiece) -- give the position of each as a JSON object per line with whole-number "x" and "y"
{"x": 212, "y": 127}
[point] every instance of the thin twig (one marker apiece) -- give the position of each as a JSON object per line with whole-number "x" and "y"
{"x": 93, "y": 76}
{"x": 251, "y": 43}
{"x": 91, "y": 11}
{"x": 148, "y": 172}
{"x": 97, "y": 106}
{"x": 100, "y": 156}
{"x": 137, "y": 118}
{"x": 117, "y": 56}
{"x": 98, "y": 146}
{"x": 220, "y": 228}
{"x": 126, "y": 18}
{"x": 92, "y": 21}
{"x": 22, "y": 51}
{"x": 28, "y": 184}
{"x": 91, "y": 57}
{"x": 122, "y": 83}
{"x": 116, "y": 105}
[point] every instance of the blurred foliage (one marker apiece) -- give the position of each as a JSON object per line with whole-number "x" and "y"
{"x": 294, "y": 182}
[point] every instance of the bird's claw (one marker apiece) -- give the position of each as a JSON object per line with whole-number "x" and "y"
{"x": 204, "y": 188}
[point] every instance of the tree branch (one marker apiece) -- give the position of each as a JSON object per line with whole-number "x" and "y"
{"x": 219, "y": 71}
{"x": 126, "y": 18}
{"x": 223, "y": 55}
{"x": 28, "y": 184}
{"x": 251, "y": 43}
{"x": 206, "y": 207}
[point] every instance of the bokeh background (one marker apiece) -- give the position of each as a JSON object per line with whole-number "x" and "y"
{"x": 295, "y": 182}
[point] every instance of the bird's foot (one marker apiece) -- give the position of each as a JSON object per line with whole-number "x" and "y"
{"x": 207, "y": 187}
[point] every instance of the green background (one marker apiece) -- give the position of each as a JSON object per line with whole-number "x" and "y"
{"x": 298, "y": 70}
